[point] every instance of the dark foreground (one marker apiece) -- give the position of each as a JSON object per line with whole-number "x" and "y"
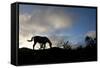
{"x": 56, "y": 55}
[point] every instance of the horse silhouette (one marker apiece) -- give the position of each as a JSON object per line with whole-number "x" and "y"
{"x": 41, "y": 40}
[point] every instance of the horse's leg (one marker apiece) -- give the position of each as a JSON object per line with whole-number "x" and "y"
{"x": 44, "y": 46}
{"x": 50, "y": 45}
{"x": 41, "y": 45}
{"x": 34, "y": 45}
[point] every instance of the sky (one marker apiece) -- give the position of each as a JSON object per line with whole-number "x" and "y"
{"x": 71, "y": 24}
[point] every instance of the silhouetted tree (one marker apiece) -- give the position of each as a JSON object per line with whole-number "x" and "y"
{"x": 95, "y": 41}
{"x": 87, "y": 40}
{"x": 90, "y": 41}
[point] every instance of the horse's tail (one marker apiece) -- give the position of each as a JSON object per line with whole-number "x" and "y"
{"x": 31, "y": 39}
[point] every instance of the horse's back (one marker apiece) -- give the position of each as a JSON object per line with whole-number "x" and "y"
{"x": 41, "y": 39}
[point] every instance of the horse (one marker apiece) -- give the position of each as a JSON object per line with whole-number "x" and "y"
{"x": 42, "y": 40}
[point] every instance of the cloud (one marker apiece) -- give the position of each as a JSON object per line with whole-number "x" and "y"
{"x": 91, "y": 34}
{"x": 43, "y": 21}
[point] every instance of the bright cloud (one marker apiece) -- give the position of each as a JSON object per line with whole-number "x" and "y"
{"x": 91, "y": 34}
{"x": 42, "y": 23}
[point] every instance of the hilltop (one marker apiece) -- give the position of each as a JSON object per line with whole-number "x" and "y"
{"x": 55, "y": 55}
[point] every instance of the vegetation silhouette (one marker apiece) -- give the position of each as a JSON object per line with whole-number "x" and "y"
{"x": 66, "y": 46}
{"x": 41, "y": 40}
{"x": 59, "y": 55}
{"x": 90, "y": 41}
